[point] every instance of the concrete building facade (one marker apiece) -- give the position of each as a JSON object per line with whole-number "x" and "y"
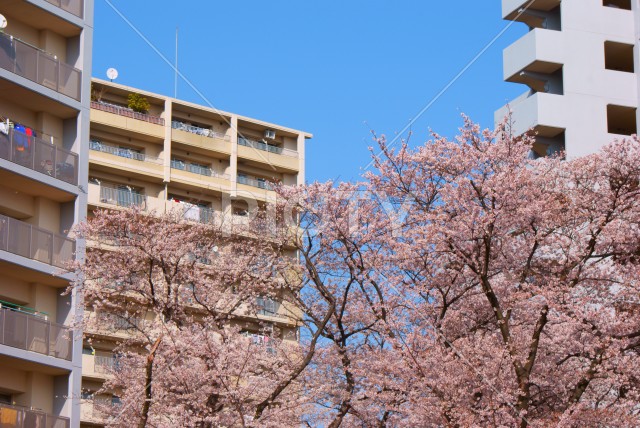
{"x": 580, "y": 62}
{"x": 204, "y": 163}
{"x": 45, "y": 69}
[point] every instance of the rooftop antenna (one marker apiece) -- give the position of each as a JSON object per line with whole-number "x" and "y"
{"x": 175, "y": 79}
{"x": 112, "y": 74}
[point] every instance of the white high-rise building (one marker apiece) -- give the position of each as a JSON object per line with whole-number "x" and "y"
{"x": 580, "y": 62}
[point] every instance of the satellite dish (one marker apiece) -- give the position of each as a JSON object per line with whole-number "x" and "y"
{"x": 3, "y": 22}
{"x": 112, "y": 74}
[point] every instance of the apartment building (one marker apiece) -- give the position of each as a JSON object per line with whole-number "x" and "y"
{"x": 204, "y": 163}
{"x": 45, "y": 69}
{"x": 580, "y": 63}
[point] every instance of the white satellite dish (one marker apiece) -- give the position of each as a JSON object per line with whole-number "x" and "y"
{"x": 112, "y": 74}
{"x": 3, "y": 22}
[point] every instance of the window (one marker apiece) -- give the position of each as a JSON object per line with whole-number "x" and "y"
{"x": 621, "y": 120}
{"x": 617, "y": 4}
{"x": 618, "y": 56}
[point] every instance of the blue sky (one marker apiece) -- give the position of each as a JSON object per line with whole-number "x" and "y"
{"x": 336, "y": 69}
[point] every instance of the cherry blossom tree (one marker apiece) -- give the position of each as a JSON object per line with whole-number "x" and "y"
{"x": 461, "y": 283}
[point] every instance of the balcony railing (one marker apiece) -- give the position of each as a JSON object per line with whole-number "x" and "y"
{"x": 126, "y": 112}
{"x": 30, "y": 332}
{"x": 262, "y": 184}
{"x": 200, "y": 214}
{"x": 38, "y": 66}
{"x": 269, "y": 307}
{"x": 195, "y": 168}
{"x": 114, "y": 323}
{"x": 122, "y": 152}
{"x": 104, "y": 365}
{"x": 261, "y": 145}
{"x": 75, "y": 7}
{"x": 32, "y": 242}
{"x": 122, "y": 197}
{"x": 205, "y": 132}
{"x": 37, "y": 155}
{"x": 23, "y": 417}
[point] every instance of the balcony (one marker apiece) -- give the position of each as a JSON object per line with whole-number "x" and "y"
{"x": 23, "y": 417}
{"x": 263, "y": 153}
{"x": 38, "y": 66}
{"x": 122, "y": 197}
{"x": 38, "y": 155}
{"x": 74, "y": 7}
{"x": 32, "y": 242}
{"x": 199, "y": 137}
{"x": 98, "y": 408}
{"x": 126, "y": 112}
{"x": 546, "y": 113}
{"x": 511, "y": 8}
{"x": 26, "y": 329}
{"x": 117, "y": 116}
{"x": 260, "y": 183}
{"x": 126, "y": 159}
{"x": 196, "y": 169}
{"x": 198, "y": 176}
{"x": 534, "y": 58}
{"x": 260, "y": 145}
{"x": 205, "y": 132}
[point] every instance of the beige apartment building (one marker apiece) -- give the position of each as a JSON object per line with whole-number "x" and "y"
{"x": 205, "y": 163}
{"x": 45, "y": 69}
{"x": 580, "y": 63}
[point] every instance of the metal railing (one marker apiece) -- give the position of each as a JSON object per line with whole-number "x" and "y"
{"x": 37, "y": 155}
{"x": 205, "y": 132}
{"x": 122, "y": 152}
{"x": 195, "y": 168}
{"x": 74, "y": 7}
{"x": 200, "y": 214}
{"x": 122, "y": 197}
{"x": 261, "y": 145}
{"x": 126, "y": 112}
{"x": 33, "y": 333}
{"x": 23, "y": 417}
{"x": 104, "y": 365}
{"x": 262, "y": 184}
{"x": 38, "y": 66}
{"x": 269, "y": 307}
{"x": 32, "y": 242}
{"x": 114, "y": 323}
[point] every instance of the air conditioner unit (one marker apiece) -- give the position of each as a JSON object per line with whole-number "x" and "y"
{"x": 270, "y": 134}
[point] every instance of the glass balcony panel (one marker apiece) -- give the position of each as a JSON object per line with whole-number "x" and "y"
{"x": 48, "y": 72}
{"x": 69, "y": 81}
{"x": 41, "y": 156}
{"x": 38, "y": 336}
{"x": 38, "y": 66}
{"x": 60, "y": 342}
{"x": 34, "y": 333}
{"x": 22, "y": 417}
{"x": 26, "y": 61}
{"x": 29, "y": 241}
{"x": 15, "y": 329}
{"x": 74, "y": 7}
{"x": 41, "y": 246}
{"x": 19, "y": 238}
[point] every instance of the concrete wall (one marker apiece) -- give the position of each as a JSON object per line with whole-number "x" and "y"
{"x": 588, "y": 87}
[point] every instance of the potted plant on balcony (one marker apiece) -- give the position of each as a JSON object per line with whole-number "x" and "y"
{"x": 138, "y": 103}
